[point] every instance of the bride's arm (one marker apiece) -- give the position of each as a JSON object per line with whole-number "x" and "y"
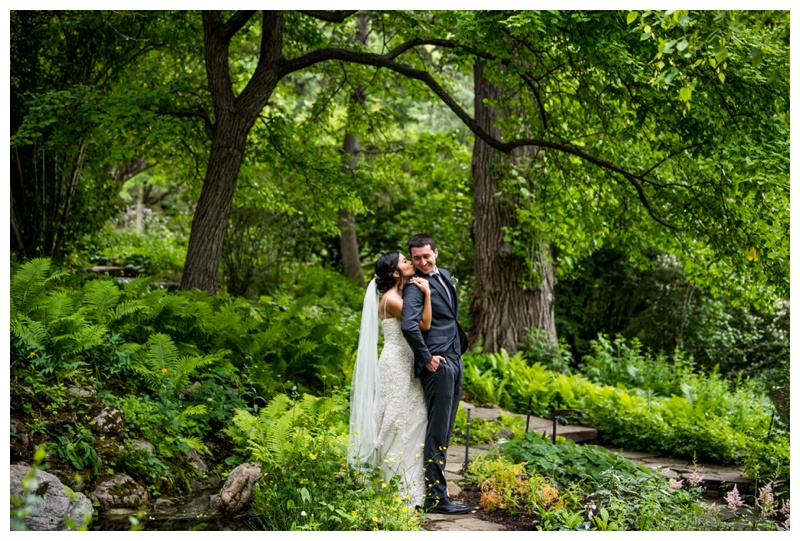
{"x": 424, "y": 286}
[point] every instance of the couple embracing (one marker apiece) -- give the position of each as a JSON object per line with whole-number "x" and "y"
{"x": 404, "y": 404}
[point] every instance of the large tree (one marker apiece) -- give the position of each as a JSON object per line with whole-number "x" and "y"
{"x": 670, "y": 128}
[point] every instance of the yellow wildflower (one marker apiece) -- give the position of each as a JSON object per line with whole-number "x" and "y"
{"x": 164, "y": 370}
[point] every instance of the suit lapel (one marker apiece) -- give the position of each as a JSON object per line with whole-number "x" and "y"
{"x": 440, "y": 288}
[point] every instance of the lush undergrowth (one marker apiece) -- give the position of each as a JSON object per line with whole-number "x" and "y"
{"x": 565, "y": 486}
{"x": 235, "y": 380}
{"x": 655, "y": 406}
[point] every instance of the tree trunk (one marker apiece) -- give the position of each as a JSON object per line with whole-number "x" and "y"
{"x": 501, "y": 311}
{"x": 235, "y": 117}
{"x": 348, "y": 241}
{"x": 204, "y": 252}
{"x": 351, "y": 259}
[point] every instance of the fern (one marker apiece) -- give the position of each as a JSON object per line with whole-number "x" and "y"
{"x": 27, "y": 285}
{"x": 138, "y": 286}
{"x": 101, "y": 296}
{"x": 196, "y": 444}
{"x": 276, "y": 407}
{"x": 125, "y": 308}
{"x": 32, "y": 333}
{"x": 160, "y": 355}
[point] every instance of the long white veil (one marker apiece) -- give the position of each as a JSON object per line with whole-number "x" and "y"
{"x": 361, "y": 452}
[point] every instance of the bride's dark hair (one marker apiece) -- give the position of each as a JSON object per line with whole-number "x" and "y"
{"x": 384, "y": 269}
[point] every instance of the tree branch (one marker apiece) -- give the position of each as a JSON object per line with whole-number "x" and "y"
{"x": 337, "y": 16}
{"x": 385, "y": 61}
{"x": 235, "y": 23}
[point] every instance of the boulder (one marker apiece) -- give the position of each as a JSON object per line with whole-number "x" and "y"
{"x": 237, "y": 492}
{"x": 143, "y": 445}
{"x": 120, "y": 491}
{"x": 58, "y": 502}
{"x": 110, "y": 421}
{"x": 194, "y": 459}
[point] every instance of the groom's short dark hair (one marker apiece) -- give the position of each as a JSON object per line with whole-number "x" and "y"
{"x": 420, "y": 240}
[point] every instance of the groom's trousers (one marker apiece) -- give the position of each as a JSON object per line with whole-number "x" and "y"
{"x": 442, "y": 394}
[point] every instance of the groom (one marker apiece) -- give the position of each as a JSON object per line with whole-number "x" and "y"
{"x": 437, "y": 362}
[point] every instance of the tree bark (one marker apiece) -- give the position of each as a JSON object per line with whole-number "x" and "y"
{"x": 348, "y": 240}
{"x": 501, "y": 311}
{"x": 204, "y": 252}
{"x": 235, "y": 117}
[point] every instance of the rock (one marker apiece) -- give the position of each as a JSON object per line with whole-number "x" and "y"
{"x": 20, "y": 441}
{"x": 162, "y": 504}
{"x": 81, "y": 393}
{"x": 110, "y": 421}
{"x": 58, "y": 502}
{"x": 143, "y": 445}
{"x": 505, "y": 434}
{"x": 237, "y": 492}
{"x": 194, "y": 458}
{"x": 190, "y": 390}
{"x": 120, "y": 491}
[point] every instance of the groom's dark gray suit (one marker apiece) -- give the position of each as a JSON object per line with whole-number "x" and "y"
{"x": 443, "y": 387}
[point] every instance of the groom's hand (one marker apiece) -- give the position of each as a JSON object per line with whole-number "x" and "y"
{"x": 434, "y": 364}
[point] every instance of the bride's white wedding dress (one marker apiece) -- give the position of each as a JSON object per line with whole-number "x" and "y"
{"x": 400, "y": 415}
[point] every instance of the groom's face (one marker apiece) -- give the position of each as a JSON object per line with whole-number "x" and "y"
{"x": 424, "y": 258}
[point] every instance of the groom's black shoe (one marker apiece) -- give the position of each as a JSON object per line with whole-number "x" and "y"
{"x": 447, "y": 507}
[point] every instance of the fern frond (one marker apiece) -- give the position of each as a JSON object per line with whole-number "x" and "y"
{"x": 32, "y": 333}
{"x": 58, "y": 305}
{"x": 196, "y": 443}
{"x": 194, "y": 409}
{"x": 101, "y": 296}
{"x": 27, "y": 284}
{"x": 91, "y": 335}
{"x": 157, "y": 357}
{"x": 278, "y": 438}
{"x": 161, "y": 351}
{"x": 276, "y": 407}
{"x": 138, "y": 286}
{"x": 125, "y": 308}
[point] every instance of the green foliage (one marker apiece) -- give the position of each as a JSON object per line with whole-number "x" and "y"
{"x": 567, "y": 463}
{"x": 699, "y": 418}
{"x": 301, "y": 443}
{"x": 76, "y": 449}
{"x": 482, "y": 431}
{"x": 645, "y": 295}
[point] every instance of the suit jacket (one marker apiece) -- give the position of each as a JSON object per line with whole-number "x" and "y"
{"x": 445, "y": 330}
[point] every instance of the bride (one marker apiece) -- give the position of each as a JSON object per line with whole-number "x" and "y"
{"x": 388, "y": 416}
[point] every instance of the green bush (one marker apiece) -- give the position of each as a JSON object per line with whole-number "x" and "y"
{"x": 302, "y": 445}
{"x": 706, "y": 421}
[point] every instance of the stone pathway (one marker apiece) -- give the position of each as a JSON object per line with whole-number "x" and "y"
{"x": 715, "y": 477}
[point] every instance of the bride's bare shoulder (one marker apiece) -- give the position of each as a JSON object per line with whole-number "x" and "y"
{"x": 392, "y": 305}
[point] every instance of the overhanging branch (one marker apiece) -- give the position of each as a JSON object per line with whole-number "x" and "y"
{"x": 387, "y": 61}
{"x": 337, "y": 16}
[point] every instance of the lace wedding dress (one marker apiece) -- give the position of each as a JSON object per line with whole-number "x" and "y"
{"x": 400, "y": 415}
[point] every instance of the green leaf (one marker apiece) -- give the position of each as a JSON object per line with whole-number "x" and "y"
{"x": 686, "y": 93}
{"x": 632, "y": 16}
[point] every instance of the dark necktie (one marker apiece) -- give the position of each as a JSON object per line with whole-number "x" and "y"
{"x": 441, "y": 281}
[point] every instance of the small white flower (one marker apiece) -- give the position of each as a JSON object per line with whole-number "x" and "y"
{"x": 302, "y": 513}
